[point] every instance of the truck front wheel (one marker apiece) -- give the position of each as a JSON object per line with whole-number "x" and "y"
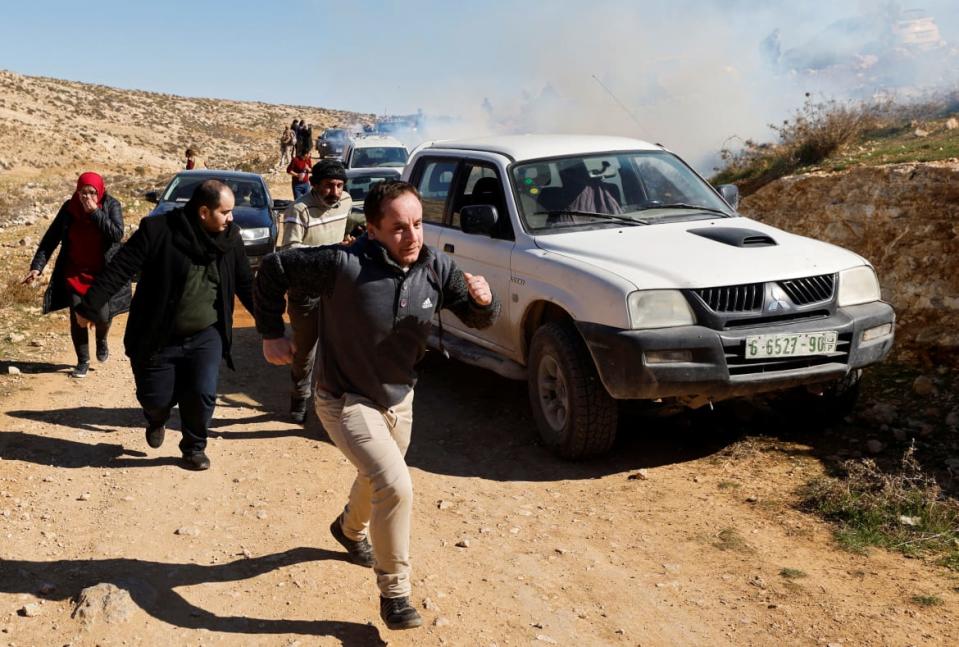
{"x": 575, "y": 415}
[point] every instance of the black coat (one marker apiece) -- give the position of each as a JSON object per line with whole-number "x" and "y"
{"x": 159, "y": 250}
{"x": 109, "y": 219}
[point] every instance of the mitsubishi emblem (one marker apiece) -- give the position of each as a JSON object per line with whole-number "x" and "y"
{"x": 778, "y": 301}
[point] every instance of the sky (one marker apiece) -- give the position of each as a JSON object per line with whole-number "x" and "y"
{"x": 691, "y": 74}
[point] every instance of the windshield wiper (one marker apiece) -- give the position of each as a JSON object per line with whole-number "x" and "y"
{"x": 591, "y": 214}
{"x": 685, "y": 205}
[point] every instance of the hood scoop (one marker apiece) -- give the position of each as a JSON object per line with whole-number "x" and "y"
{"x": 735, "y": 236}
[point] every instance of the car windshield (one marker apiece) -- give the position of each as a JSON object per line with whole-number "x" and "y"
{"x": 334, "y": 134}
{"x": 379, "y": 156}
{"x": 358, "y": 187}
{"x": 247, "y": 193}
{"x": 612, "y": 189}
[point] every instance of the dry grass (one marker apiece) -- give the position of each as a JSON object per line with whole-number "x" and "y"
{"x": 816, "y": 131}
{"x": 837, "y": 135}
{"x": 729, "y": 539}
{"x": 16, "y": 293}
{"x": 903, "y": 510}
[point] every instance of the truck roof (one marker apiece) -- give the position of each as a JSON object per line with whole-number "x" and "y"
{"x": 527, "y": 147}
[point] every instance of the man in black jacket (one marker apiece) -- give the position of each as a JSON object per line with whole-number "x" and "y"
{"x": 378, "y": 296}
{"x": 191, "y": 262}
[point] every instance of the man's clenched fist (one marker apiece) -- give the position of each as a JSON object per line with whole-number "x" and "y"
{"x": 478, "y": 289}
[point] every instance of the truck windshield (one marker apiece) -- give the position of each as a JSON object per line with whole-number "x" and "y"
{"x": 379, "y": 156}
{"x": 647, "y": 186}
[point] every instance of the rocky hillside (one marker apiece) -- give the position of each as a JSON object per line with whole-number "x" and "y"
{"x": 904, "y": 218}
{"x": 52, "y": 130}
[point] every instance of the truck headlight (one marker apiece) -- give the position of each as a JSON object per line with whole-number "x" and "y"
{"x": 659, "y": 309}
{"x": 858, "y": 285}
{"x": 255, "y": 234}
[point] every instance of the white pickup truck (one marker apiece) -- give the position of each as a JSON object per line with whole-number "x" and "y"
{"x": 624, "y": 275}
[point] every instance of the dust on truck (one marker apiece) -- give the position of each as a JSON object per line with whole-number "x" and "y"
{"x": 624, "y": 275}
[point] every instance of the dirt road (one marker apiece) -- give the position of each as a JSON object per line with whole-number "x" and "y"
{"x": 680, "y": 537}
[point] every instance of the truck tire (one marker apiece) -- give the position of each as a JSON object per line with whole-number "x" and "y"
{"x": 575, "y": 415}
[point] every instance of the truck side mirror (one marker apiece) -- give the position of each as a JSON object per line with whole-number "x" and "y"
{"x": 730, "y": 193}
{"x": 152, "y": 196}
{"x": 478, "y": 219}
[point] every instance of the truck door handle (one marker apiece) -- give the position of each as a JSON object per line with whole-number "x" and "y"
{"x": 449, "y": 248}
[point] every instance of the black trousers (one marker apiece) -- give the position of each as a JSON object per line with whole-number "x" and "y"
{"x": 184, "y": 372}
{"x": 79, "y": 334}
{"x": 304, "y": 314}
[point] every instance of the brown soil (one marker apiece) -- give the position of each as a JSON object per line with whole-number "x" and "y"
{"x": 688, "y": 551}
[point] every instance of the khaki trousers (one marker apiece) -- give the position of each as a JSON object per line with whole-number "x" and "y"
{"x": 381, "y": 499}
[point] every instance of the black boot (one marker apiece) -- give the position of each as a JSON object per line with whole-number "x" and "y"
{"x": 155, "y": 435}
{"x": 298, "y": 410}
{"x": 103, "y": 351}
{"x": 360, "y": 551}
{"x": 196, "y": 461}
{"x": 398, "y": 613}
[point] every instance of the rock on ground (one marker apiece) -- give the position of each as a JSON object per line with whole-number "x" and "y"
{"x": 106, "y": 601}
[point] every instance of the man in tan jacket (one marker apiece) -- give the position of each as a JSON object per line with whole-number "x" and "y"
{"x": 320, "y": 217}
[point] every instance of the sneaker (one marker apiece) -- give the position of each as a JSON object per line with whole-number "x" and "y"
{"x": 361, "y": 552}
{"x": 81, "y": 370}
{"x": 298, "y": 410}
{"x": 196, "y": 462}
{"x": 155, "y": 436}
{"x": 398, "y": 613}
{"x": 103, "y": 351}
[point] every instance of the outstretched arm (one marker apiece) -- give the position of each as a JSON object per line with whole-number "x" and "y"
{"x": 118, "y": 272}
{"x": 48, "y": 243}
{"x": 310, "y": 270}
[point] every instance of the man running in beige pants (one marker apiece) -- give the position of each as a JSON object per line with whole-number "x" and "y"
{"x": 378, "y": 296}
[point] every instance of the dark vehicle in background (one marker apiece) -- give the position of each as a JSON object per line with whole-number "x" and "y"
{"x": 359, "y": 181}
{"x": 332, "y": 142}
{"x": 253, "y": 211}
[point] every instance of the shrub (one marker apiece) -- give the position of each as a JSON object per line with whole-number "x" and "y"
{"x": 815, "y": 132}
{"x": 904, "y": 510}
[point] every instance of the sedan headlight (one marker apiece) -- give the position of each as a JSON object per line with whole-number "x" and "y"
{"x": 858, "y": 285}
{"x": 659, "y": 309}
{"x": 255, "y": 234}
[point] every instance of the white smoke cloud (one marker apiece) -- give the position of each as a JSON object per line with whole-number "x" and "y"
{"x": 691, "y": 74}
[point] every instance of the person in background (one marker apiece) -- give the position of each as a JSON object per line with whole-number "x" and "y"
{"x": 88, "y": 228}
{"x": 299, "y": 170}
{"x": 287, "y": 140}
{"x": 190, "y": 159}
{"x": 304, "y": 138}
{"x": 378, "y": 298}
{"x": 320, "y": 217}
{"x": 192, "y": 263}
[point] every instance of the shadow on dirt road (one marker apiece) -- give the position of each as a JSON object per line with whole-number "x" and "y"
{"x": 151, "y": 586}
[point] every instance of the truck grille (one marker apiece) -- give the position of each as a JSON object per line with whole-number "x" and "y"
{"x": 737, "y": 363}
{"x": 733, "y": 298}
{"x": 810, "y": 289}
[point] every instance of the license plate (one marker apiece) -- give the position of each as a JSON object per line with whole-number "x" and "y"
{"x": 791, "y": 344}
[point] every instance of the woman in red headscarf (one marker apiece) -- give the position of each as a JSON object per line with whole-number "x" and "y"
{"x": 88, "y": 228}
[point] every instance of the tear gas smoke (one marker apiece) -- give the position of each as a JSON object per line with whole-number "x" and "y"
{"x": 691, "y": 74}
